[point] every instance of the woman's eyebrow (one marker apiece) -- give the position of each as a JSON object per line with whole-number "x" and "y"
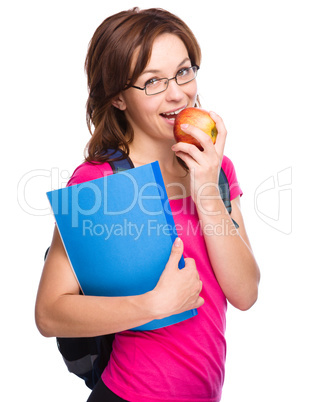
{"x": 159, "y": 71}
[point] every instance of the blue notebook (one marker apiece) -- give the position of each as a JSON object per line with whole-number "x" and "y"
{"x": 118, "y": 232}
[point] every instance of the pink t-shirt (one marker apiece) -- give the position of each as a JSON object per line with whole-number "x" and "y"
{"x": 183, "y": 362}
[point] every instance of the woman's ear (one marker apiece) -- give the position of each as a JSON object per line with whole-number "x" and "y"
{"x": 119, "y": 102}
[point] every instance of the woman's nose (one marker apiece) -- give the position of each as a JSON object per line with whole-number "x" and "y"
{"x": 174, "y": 91}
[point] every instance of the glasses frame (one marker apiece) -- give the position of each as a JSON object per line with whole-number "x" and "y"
{"x": 168, "y": 81}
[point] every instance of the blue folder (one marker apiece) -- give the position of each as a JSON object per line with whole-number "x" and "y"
{"x": 118, "y": 233}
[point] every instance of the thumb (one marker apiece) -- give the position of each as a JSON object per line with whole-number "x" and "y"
{"x": 176, "y": 253}
{"x": 222, "y": 133}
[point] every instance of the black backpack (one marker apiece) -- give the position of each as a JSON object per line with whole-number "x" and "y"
{"x": 88, "y": 357}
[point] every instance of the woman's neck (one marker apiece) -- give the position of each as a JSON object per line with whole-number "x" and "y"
{"x": 146, "y": 150}
{"x": 176, "y": 178}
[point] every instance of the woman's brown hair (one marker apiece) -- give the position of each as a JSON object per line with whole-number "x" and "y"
{"x": 109, "y": 70}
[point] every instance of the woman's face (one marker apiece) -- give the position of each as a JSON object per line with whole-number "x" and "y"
{"x": 151, "y": 115}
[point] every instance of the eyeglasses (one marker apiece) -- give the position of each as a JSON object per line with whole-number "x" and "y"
{"x": 158, "y": 85}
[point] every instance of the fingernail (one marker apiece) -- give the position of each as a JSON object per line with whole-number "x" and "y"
{"x": 184, "y": 126}
{"x": 177, "y": 242}
{"x": 213, "y": 114}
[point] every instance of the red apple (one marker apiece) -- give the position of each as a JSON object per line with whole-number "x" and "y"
{"x": 196, "y": 117}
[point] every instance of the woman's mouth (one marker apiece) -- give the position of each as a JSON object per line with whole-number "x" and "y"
{"x": 171, "y": 116}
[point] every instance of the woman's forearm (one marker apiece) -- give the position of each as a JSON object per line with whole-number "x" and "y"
{"x": 83, "y": 316}
{"x": 61, "y": 311}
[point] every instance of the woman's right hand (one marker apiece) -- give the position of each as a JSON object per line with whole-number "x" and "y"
{"x": 178, "y": 290}
{"x": 61, "y": 311}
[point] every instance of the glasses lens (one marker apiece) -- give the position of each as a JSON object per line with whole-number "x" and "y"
{"x": 156, "y": 86}
{"x": 186, "y": 75}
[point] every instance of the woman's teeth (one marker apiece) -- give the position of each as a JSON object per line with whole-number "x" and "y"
{"x": 172, "y": 115}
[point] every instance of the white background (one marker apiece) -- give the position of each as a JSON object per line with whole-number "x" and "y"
{"x": 255, "y": 75}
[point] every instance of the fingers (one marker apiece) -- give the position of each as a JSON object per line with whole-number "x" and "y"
{"x": 190, "y": 264}
{"x": 199, "y": 135}
{"x": 204, "y": 140}
{"x": 200, "y": 302}
{"x": 219, "y": 123}
{"x": 222, "y": 133}
{"x": 178, "y": 290}
{"x": 176, "y": 254}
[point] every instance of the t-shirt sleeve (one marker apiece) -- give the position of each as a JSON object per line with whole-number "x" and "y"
{"x": 89, "y": 171}
{"x": 230, "y": 172}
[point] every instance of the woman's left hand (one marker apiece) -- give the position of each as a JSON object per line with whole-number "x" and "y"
{"x": 204, "y": 166}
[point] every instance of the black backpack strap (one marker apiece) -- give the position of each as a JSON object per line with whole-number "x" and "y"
{"x": 225, "y": 193}
{"x": 121, "y": 163}
{"x": 46, "y": 252}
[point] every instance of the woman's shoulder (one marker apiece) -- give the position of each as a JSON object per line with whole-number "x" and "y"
{"x": 227, "y": 164}
{"x": 89, "y": 171}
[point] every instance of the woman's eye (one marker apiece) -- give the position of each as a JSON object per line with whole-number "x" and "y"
{"x": 183, "y": 72}
{"x": 152, "y": 83}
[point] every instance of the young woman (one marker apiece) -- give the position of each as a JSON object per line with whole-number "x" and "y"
{"x": 142, "y": 68}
